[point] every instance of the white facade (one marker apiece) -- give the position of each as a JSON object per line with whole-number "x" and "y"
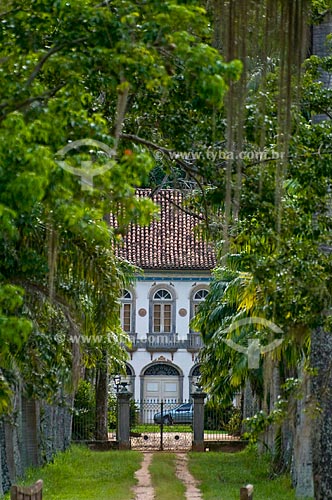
{"x": 156, "y": 314}
{"x": 176, "y": 261}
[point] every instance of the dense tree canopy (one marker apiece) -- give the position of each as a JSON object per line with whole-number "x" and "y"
{"x": 271, "y": 217}
{"x": 275, "y": 223}
{"x": 71, "y": 71}
{"x": 132, "y": 79}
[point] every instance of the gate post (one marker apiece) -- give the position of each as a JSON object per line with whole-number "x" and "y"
{"x": 123, "y": 423}
{"x": 198, "y": 421}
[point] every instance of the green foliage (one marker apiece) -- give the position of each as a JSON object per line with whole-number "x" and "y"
{"x": 319, "y": 8}
{"x": 232, "y": 297}
{"x": 71, "y": 71}
{"x": 217, "y": 417}
{"x": 279, "y": 263}
{"x": 134, "y": 414}
{"x": 85, "y": 396}
{"x": 14, "y": 331}
{"x": 112, "y": 411}
{"x": 256, "y": 426}
{"x": 84, "y": 412}
{"x": 234, "y": 424}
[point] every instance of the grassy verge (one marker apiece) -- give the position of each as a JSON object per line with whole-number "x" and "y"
{"x": 222, "y": 474}
{"x": 81, "y": 474}
{"x": 164, "y": 481}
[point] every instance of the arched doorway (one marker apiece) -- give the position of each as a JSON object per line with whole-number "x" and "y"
{"x": 162, "y": 382}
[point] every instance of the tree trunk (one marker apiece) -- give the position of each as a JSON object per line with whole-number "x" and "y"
{"x": 302, "y": 472}
{"x": 321, "y": 361}
{"x": 271, "y": 393}
{"x": 321, "y": 343}
{"x": 102, "y": 400}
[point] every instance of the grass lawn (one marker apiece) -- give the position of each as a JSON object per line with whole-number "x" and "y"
{"x": 222, "y": 474}
{"x": 164, "y": 480}
{"x": 147, "y": 428}
{"x": 81, "y": 474}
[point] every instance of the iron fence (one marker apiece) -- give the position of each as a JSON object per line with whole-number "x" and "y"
{"x": 84, "y": 423}
{"x": 221, "y": 424}
{"x": 161, "y": 424}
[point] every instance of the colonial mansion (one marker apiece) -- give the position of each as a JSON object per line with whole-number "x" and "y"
{"x": 157, "y": 310}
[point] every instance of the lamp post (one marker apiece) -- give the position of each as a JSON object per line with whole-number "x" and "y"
{"x": 117, "y": 381}
{"x": 123, "y": 413}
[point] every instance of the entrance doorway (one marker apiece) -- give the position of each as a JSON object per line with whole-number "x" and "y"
{"x": 161, "y": 382}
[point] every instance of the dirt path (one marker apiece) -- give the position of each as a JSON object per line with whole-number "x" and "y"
{"x": 182, "y": 472}
{"x": 144, "y": 490}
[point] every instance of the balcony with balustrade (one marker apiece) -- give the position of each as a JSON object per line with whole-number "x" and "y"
{"x": 162, "y": 341}
{"x": 133, "y": 342}
{"x": 157, "y": 342}
{"x": 194, "y": 342}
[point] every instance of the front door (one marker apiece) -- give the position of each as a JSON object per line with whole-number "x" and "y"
{"x": 161, "y": 382}
{"x": 161, "y": 388}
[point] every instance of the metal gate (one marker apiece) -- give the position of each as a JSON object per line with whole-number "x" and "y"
{"x": 161, "y": 425}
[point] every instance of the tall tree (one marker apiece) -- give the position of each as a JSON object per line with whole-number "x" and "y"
{"x": 321, "y": 343}
{"x": 278, "y": 231}
{"x": 73, "y": 71}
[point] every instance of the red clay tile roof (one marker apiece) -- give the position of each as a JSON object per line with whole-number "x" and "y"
{"x": 167, "y": 243}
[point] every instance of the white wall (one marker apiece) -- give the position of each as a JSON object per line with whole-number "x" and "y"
{"x": 182, "y": 285}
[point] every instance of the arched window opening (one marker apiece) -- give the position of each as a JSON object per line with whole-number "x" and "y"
{"x": 200, "y": 294}
{"x": 127, "y": 311}
{"x": 198, "y": 297}
{"x": 161, "y": 369}
{"x": 162, "y": 312}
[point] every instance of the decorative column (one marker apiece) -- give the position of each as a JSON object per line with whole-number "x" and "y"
{"x": 123, "y": 423}
{"x": 198, "y": 422}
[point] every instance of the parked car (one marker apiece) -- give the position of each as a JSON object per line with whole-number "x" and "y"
{"x": 182, "y": 414}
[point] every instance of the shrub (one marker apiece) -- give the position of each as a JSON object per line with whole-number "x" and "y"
{"x": 218, "y": 417}
{"x": 83, "y": 427}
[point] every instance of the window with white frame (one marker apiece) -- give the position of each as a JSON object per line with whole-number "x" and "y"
{"x": 127, "y": 311}
{"x": 198, "y": 297}
{"x": 162, "y": 311}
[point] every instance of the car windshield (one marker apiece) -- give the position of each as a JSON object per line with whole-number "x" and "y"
{"x": 184, "y": 407}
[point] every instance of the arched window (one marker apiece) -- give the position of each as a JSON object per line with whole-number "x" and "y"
{"x": 196, "y": 372}
{"x": 162, "y": 311}
{"x": 127, "y": 311}
{"x": 197, "y": 298}
{"x": 161, "y": 369}
{"x": 200, "y": 294}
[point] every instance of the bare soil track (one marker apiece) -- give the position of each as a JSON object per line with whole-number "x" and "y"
{"x": 144, "y": 490}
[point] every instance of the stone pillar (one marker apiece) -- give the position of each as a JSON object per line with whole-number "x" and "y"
{"x": 123, "y": 424}
{"x": 198, "y": 422}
